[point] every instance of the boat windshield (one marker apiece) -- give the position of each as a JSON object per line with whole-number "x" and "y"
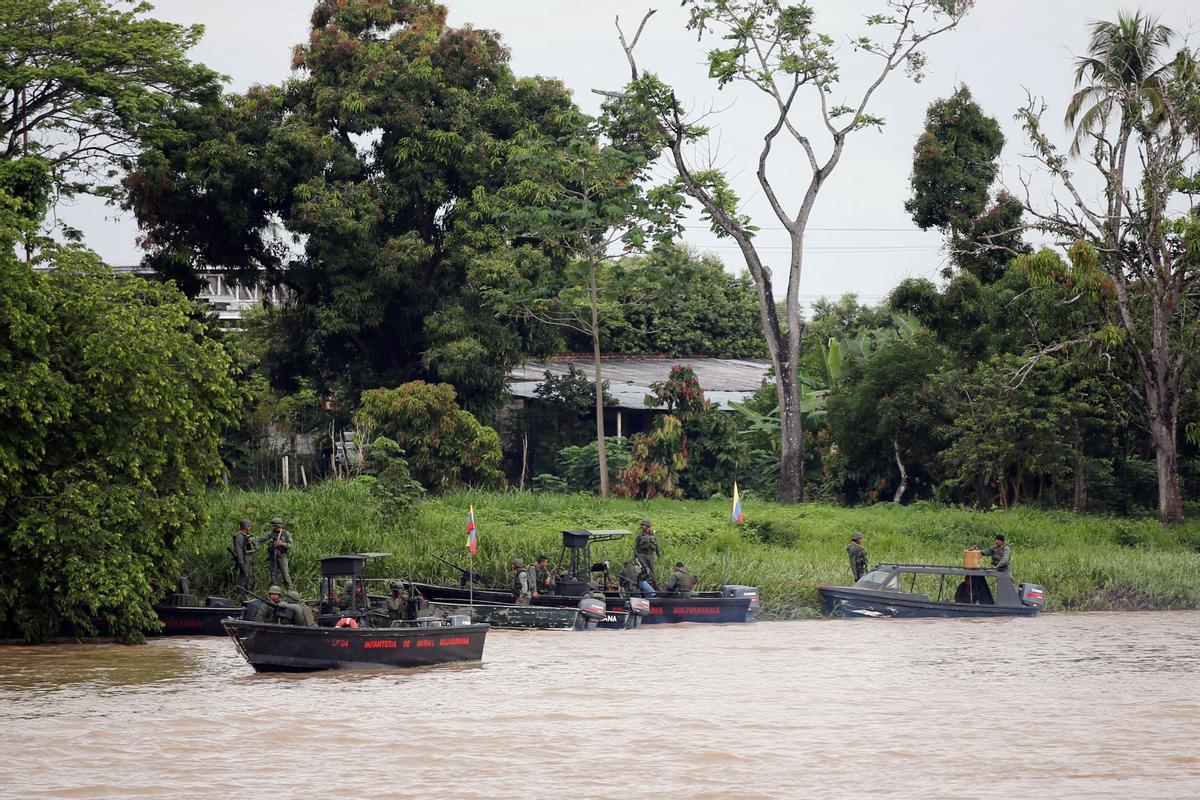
{"x": 875, "y": 579}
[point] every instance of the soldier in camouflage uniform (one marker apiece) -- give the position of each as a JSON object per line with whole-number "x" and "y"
{"x": 681, "y": 582}
{"x": 522, "y": 585}
{"x": 279, "y": 542}
{"x": 634, "y": 579}
{"x": 244, "y": 546}
{"x": 540, "y": 573}
{"x": 394, "y": 606}
{"x": 646, "y": 549}
{"x": 302, "y": 614}
{"x": 266, "y": 611}
{"x": 858, "y": 556}
{"x": 1001, "y": 554}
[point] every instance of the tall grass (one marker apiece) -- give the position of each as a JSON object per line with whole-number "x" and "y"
{"x": 1086, "y": 562}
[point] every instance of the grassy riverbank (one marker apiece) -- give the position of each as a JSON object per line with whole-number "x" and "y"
{"x": 1086, "y": 562}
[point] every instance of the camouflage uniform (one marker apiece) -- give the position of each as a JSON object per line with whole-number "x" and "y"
{"x": 858, "y": 559}
{"x": 279, "y": 542}
{"x": 541, "y": 579}
{"x": 681, "y": 582}
{"x": 645, "y": 548}
{"x": 521, "y": 584}
{"x": 394, "y": 606}
{"x": 266, "y": 610}
{"x": 631, "y": 576}
{"x": 1001, "y": 555}
{"x": 302, "y": 614}
{"x": 244, "y": 546}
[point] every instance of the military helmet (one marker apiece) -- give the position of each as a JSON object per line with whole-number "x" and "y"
{"x": 645, "y": 523}
{"x": 856, "y": 536}
{"x": 348, "y": 586}
{"x": 518, "y": 562}
{"x": 396, "y": 586}
{"x": 244, "y": 524}
{"x": 678, "y": 565}
{"x": 276, "y": 521}
{"x": 999, "y": 537}
{"x": 293, "y": 595}
{"x": 273, "y": 590}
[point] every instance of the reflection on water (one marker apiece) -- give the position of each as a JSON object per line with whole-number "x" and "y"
{"x": 1087, "y": 706}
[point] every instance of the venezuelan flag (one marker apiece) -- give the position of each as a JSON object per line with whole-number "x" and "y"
{"x": 737, "y": 505}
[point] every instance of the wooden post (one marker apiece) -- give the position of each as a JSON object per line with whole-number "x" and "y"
{"x": 286, "y": 474}
{"x": 303, "y": 477}
{"x": 618, "y": 423}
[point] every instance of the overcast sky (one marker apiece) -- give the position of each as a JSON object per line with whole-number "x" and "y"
{"x": 861, "y": 240}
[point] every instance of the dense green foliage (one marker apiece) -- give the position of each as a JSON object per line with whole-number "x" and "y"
{"x": 444, "y": 446}
{"x": 1086, "y": 562}
{"x": 380, "y": 158}
{"x": 113, "y": 402}
{"x": 89, "y": 83}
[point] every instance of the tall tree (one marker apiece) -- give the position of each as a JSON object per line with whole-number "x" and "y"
{"x": 775, "y": 49}
{"x": 85, "y": 83}
{"x": 360, "y": 184}
{"x": 583, "y": 205}
{"x": 1136, "y": 123}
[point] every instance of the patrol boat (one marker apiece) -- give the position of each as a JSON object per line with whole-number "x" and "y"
{"x": 731, "y": 603}
{"x": 351, "y": 637}
{"x": 921, "y": 590}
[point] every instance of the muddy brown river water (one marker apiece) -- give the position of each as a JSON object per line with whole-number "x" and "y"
{"x": 1061, "y": 706}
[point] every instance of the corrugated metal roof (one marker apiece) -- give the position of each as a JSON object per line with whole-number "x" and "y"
{"x": 722, "y": 379}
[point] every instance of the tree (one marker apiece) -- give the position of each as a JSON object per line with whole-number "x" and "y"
{"x": 120, "y": 400}
{"x": 583, "y": 206}
{"x": 444, "y": 446}
{"x": 363, "y": 186}
{"x": 1136, "y": 119}
{"x": 954, "y": 164}
{"x": 85, "y": 83}
{"x": 775, "y": 49}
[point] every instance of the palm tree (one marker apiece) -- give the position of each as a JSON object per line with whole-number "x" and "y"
{"x": 1122, "y": 72}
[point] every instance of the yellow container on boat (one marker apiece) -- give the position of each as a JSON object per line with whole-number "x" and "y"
{"x": 972, "y": 559}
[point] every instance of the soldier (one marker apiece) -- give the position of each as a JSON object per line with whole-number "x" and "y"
{"x": 301, "y": 613}
{"x": 681, "y": 582}
{"x": 1001, "y": 554}
{"x": 858, "y": 556}
{"x": 351, "y": 595}
{"x": 279, "y": 542}
{"x": 266, "y": 610}
{"x": 646, "y": 549}
{"x": 522, "y": 588}
{"x": 244, "y": 546}
{"x": 634, "y": 580}
{"x": 394, "y": 606}
{"x": 540, "y": 572}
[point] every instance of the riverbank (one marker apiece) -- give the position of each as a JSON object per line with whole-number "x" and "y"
{"x": 1086, "y": 562}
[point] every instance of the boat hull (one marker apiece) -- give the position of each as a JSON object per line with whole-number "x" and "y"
{"x": 847, "y": 601}
{"x": 700, "y": 608}
{"x": 510, "y": 615}
{"x": 192, "y": 620}
{"x": 269, "y": 647}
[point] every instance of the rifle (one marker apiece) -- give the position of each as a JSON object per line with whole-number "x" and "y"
{"x": 467, "y": 575}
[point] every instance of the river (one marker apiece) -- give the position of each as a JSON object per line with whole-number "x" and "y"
{"x": 1060, "y": 706}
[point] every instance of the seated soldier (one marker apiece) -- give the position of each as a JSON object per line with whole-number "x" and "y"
{"x": 681, "y": 583}
{"x": 301, "y": 613}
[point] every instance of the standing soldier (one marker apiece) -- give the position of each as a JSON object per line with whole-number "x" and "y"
{"x": 540, "y": 573}
{"x": 646, "y": 549}
{"x": 858, "y": 556}
{"x": 522, "y": 586}
{"x": 1001, "y": 554}
{"x": 279, "y": 542}
{"x": 243, "y": 555}
{"x": 681, "y": 583}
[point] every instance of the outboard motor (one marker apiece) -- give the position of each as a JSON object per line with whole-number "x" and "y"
{"x": 1033, "y": 594}
{"x": 592, "y": 609}
{"x": 638, "y": 606}
{"x": 744, "y": 591}
{"x": 458, "y": 619}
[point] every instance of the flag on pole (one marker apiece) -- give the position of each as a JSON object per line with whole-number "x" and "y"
{"x": 472, "y": 539}
{"x": 737, "y": 505}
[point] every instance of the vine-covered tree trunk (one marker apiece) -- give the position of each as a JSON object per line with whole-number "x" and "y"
{"x": 601, "y": 455}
